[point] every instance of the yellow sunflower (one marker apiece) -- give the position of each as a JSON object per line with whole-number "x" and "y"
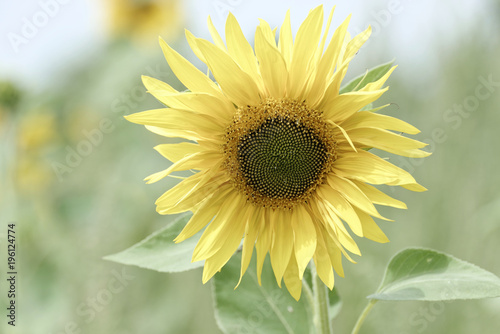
{"x": 280, "y": 154}
{"x": 139, "y": 19}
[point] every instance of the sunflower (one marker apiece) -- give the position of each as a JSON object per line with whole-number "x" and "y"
{"x": 139, "y": 19}
{"x": 280, "y": 155}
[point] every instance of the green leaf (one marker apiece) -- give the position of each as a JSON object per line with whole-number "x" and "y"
{"x": 251, "y": 308}
{"x": 370, "y": 76}
{"x": 159, "y": 252}
{"x": 424, "y": 274}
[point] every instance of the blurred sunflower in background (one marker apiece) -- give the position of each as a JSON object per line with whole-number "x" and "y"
{"x": 281, "y": 154}
{"x": 139, "y": 20}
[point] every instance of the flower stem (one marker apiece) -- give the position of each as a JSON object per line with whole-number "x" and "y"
{"x": 321, "y": 317}
{"x": 363, "y": 315}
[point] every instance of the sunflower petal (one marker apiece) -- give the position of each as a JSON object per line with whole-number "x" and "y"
{"x": 282, "y": 245}
{"x": 378, "y": 197}
{"x": 235, "y": 83}
{"x": 263, "y": 242}
{"x": 367, "y": 119}
{"x": 215, "y": 35}
{"x": 272, "y": 66}
{"x": 367, "y": 167}
{"x": 291, "y": 278}
{"x": 370, "y": 228}
{"x": 323, "y": 262}
{"x": 252, "y": 229}
{"x": 324, "y": 73}
{"x": 342, "y": 208}
{"x": 175, "y": 152}
{"x": 221, "y": 228}
{"x": 188, "y": 74}
{"x": 388, "y": 141}
{"x": 203, "y": 215}
{"x": 240, "y": 49}
{"x": 304, "y": 238}
{"x": 199, "y": 103}
{"x": 306, "y": 43}
{"x": 285, "y": 43}
{"x": 169, "y": 118}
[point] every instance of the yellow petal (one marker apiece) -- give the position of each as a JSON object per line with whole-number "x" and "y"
{"x": 196, "y": 161}
{"x": 321, "y": 47}
{"x": 215, "y": 35}
{"x": 267, "y": 32}
{"x": 272, "y": 66}
{"x": 188, "y": 74}
{"x": 330, "y": 219}
{"x": 203, "y": 215}
{"x": 229, "y": 244}
{"x": 186, "y": 194}
{"x": 155, "y": 84}
{"x": 327, "y": 64}
{"x": 367, "y": 119}
{"x": 291, "y": 278}
{"x": 356, "y": 43}
{"x": 174, "y": 133}
{"x": 171, "y": 119}
{"x": 376, "y": 85}
{"x": 191, "y": 39}
{"x": 283, "y": 243}
{"x": 334, "y": 253}
{"x": 370, "y": 228}
{"x": 200, "y": 103}
{"x": 235, "y": 83}
{"x": 378, "y": 197}
{"x": 263, "y": 241}
{"x": 323, "y": 262}
{"x": 388, "y": 141}
{"x": 175, "y": 152}
{"x": 342, "y": 208}
{"x": 353, "y": 194}
{"x": 306, "y": 43}
{"x": 367, "y": 167}
{"x": 345, "y": 105}
{"x": 253, "y": 226}
{"x": 285, "y": 43}
{"x": 305, "y": 237}
{"x": 221, "y": 228}
{"x": 240, "y": 49}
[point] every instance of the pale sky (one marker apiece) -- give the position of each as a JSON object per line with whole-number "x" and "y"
{"x": 39, "y": 36}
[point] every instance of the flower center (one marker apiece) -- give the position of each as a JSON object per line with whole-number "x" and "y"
{"x": 278, "y": 152}
{"x": 282, "y": 158}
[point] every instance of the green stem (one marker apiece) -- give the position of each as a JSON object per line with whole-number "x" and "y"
{"x": 363, "y": 315}
{"x": 321, "y": 317}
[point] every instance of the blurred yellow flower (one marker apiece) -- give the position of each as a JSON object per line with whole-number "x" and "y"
{"x": 36, "y": 133}
{"x": 143, "y": 19}
{"x": 33, "y": 175}
{"x": 280, "y": 152}
{"x": 36, "y": 130}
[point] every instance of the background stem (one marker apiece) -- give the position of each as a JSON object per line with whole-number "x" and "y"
{"x": 321, "y": 316}
{"x": 363, "y": 315}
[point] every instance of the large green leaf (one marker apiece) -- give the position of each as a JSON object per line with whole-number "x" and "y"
{"x": 372, "y": 75}
{"x": 159, "y": 252}
{"x": 251, "y": 308}
{"x": 423, "y": 274}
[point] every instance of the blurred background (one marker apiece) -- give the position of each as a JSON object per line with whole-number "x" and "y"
{"x": 72, "y": 167}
